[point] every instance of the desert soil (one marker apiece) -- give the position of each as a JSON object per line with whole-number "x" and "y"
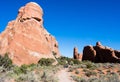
{"x": 64, "y": 76}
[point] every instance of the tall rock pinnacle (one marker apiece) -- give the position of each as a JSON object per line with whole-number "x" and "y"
{"x": 25, "y": 39}
{"x": 77, "y": 55}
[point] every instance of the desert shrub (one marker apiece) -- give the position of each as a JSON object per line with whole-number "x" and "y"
{"x": 6, "y": 62}
{"x": 46, "y": 61}
{"x": 90, "y": 73}
{"x": 48, "y": 76}
{"x": 75, "y": 61}
{"x": 31, "y": 67}
{"x": 89, "y": 65}
{"x": 114, "y": 78}
{"x": 65, "y": 60}
{"x": 62, "y": 60}
{"x": 93, "y": 79}
{"x": 82, "y": 66}
{"x": 29, "y": 77}
{"x": 23, "y": 68}
{"x": 17, "y": 70}
{"x": 20, "y": 70}
{"x": 40, "y": 74}
{"x": 21, "y": 78}
{"x": 79, "y": 79}
{"x": 103, "y": 78}
{"x": 70, "y": 69}
{"x": 85, "y": 70}
{"x": 109, "y": 78}
{"x": 77, "y": 72}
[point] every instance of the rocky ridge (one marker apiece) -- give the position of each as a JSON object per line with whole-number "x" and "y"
{"x": 101, "y": 54}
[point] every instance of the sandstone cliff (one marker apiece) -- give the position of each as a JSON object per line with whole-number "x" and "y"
{"x": 25, "y": 39}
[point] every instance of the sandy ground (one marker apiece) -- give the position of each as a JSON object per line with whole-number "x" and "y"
{"x": 64, "y": 76}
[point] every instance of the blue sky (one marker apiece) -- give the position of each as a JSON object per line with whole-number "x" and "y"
{"x": 73, "y": 22}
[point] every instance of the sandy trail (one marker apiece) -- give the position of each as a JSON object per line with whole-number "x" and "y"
{"x": 64, "y": 76}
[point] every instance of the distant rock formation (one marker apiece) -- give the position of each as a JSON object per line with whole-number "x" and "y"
{"x": 89, "y": 53}
{"x": 25, "y": 39}
{"x": 101, "y": 54}
{"x": 77, "y": 55}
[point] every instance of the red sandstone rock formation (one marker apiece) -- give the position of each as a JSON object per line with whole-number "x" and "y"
{"x": 105, "y": 54}
{"x": 89, "y": 53}
{"x": 117, "y": 53}
{"x": 77, "y": 55}
{"x": 25, "y": 39}
{"x": 101, "y": 54}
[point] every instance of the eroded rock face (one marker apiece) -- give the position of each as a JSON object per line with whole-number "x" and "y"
{"x": 117, "y": 53}
{"x": 30, "y": 10}
{"x": 89, "y": 53}
{"x": 25, "y": 39}
{"x": 101, "y": 54}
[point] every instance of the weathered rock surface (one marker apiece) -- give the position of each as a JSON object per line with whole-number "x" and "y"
{"x": 100, "y": 53}
{"x": 25, "y": 39}
{"x": 89, "y": 53}
{"x": 117, "y": 53}
{"x": 77, "y": 55}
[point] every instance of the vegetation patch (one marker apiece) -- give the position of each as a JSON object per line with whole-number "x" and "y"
{"x": 46, "y": 61}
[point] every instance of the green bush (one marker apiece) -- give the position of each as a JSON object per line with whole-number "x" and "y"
{"x": 17, "y": 70}
{"x": 65, "y": 60}
{"x": 20, "y": 70}
{"x": 90, "y": 73}
{"x": 75, "y": 61}
{"x": 89, "y": 65}
{"x": 23, "y": 68}
{"x": 70, "y": 69}
{"x": 79, "y": 79}
{"x": 6, "y": 62}
{"x": 46, "y": 61}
